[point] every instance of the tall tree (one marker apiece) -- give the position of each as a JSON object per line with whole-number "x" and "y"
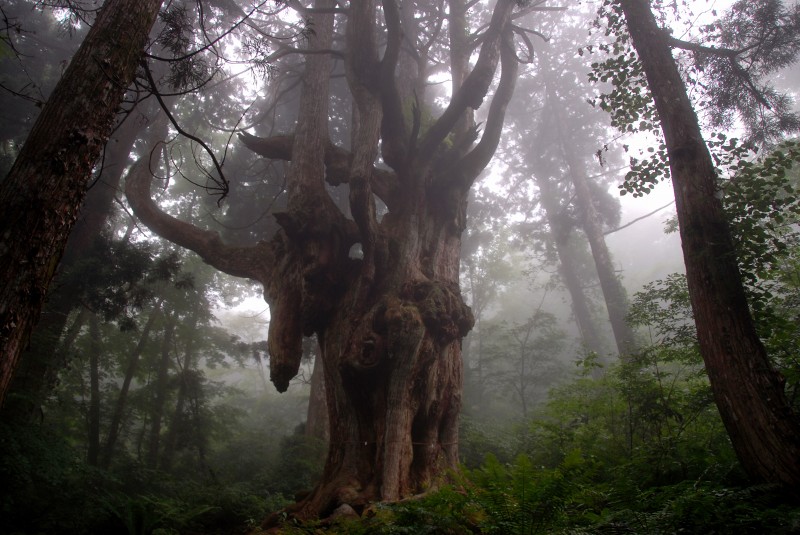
{"x": 160, "y": 391}
{"x": 565, "y": 130}
{"x": 390, "y": 319}
{"x": 38, "y": 368}
{"x": 122, "y": 399}
{"x": 764, "y": 430}
{"x": 93, "y": 416}
{"x": 613, "y": 292}
{"x": 46, "y": 185}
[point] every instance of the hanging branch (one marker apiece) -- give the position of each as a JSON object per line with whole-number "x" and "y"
{"x": 222, "y": 187}
{"x": 629, "y": 223}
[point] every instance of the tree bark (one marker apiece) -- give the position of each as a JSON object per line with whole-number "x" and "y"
{"x": 38, "y": 369}
{"x": 764, "y": 430}
{"x": 317, "y": 425}
{"x": 47, "y": 183}
{"x": 389, "y": 324}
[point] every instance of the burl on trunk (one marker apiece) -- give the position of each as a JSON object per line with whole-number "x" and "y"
{"x": 389, "y": 322}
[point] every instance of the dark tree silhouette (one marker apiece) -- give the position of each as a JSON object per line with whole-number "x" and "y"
{"x": 44, "y": 189}
{"x": 764, "y": 430}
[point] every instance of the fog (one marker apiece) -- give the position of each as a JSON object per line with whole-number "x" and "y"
{"x": 513, "y": 348}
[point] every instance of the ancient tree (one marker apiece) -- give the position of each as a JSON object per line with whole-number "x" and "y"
{"x": 749, "y": 393}
{"x": 389, "y": 319}
{"x": 47, "y": 183}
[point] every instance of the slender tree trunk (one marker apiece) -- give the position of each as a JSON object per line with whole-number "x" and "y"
{"x": 47, "y": 183}
{"x": 613, "y": 292}
{"x": 764, "y": 430}
{"x": 188, "y": 366}
{"x": 93, "y": 418}
{"x": 160, "y": 395}
{"x": 523, "y": 373}
{"x": 561, "y": 231}
{"x": 130, "y": 372}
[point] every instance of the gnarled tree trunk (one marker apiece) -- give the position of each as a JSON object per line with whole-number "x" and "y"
{"x": 389, "y": 323}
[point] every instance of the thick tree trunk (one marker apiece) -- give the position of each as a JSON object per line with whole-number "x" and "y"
{"x": 763, "y": 429}
{"x": 38, "y": 370}
{"x": 390, "y": 323}
{"x": 45, "y": 187}
{"x": 393, "y": 382}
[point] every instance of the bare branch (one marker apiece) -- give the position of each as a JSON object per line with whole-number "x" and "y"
{"x": 476, "y": 160}
{"x": 337, "y": 164}
{"x": 631, "y": 222}
{"x": 222, "y": 186}
{"x": 252, "y": 262}
{"x": 476, "y": 84}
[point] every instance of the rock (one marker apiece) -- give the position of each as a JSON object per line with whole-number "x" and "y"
{"x": 344, "y": 511}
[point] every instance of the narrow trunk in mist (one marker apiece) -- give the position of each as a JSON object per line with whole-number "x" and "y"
{"x": 93, "y": 416}
{"x": 389, "y": 324}
{"x": 47, "y": 183}
{"x": 561, "y": 230}
{"x": 749, "y": 393}
{"x": 186, "y": 368}
{"x": 613, "y": 292}
{"x": 119, "y": 407}
{"x": 523, "y": 339}
{"x": 161, "y": 389}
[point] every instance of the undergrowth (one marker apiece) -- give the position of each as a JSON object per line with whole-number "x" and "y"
{"x": 521, "y": 499}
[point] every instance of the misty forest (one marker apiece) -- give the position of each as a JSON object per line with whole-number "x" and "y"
{"x": 399, "y": 266}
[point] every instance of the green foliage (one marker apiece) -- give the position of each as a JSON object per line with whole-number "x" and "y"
{"x": 766, "y": 36}
{"x": 628, "y": 99}
{"x": 117, "y": 278}
{"x": 478, "y": 438}
{"x": 639, "y": 448}
{"x": 47, "y": 488}
{"x": 762, "y": 204}
{"x": 570, "y": 498}
{"x": 298, "y": 465}
{"x": 762, "y": 201}
{"x": 520, "y": 360}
